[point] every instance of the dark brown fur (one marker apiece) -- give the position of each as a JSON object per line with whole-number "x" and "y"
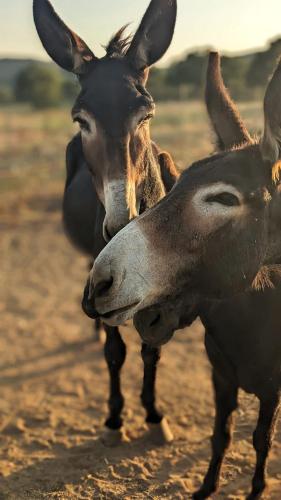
{"x": 242, "y": 340}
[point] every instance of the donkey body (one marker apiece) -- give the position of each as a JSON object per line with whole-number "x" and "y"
{"x": 243, "y": 338}
{"x": 243, "y": 343}
{"x": 114, "y": 170}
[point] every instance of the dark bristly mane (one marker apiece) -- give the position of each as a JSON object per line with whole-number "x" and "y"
{"x": 119, "y": 43}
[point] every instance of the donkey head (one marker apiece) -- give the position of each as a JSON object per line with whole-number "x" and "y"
{"x": 113, "y": 108}
{"x": 214, "y": 231}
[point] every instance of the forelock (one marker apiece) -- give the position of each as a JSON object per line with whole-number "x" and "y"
{"x": 119, "y": 44}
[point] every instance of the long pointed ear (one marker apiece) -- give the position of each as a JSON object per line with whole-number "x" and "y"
{"x": 63, "y": 45}
{"x": 225, "y": 118}
{"x": 154, "y": 34}
{"x": 271, "y": 141}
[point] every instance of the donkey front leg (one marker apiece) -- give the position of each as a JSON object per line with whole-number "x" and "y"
{"x": 226, "y": 402}
{"x": 151, "y": 357}
{"x": 262, "y": 441}
{"x": 115, "y": 355}
{"x": 99, "y": 332}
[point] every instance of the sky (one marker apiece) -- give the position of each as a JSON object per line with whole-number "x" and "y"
{"x": 229, "y": 26}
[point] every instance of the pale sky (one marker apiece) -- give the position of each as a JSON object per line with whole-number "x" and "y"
{"x": 226, "y": 25}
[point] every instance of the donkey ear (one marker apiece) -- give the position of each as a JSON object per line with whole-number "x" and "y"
{"x": 271, "y": 141}
{"x": 226, "y": 121}
{"x": 154, "y": 34}
{"x": 62, "y": 44}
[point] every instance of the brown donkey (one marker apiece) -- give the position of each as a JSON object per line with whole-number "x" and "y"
{"x": 237, "y": 211}
{"x": 114, "y": 170}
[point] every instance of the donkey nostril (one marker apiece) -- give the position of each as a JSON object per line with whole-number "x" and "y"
{"x": 103, "y": 287}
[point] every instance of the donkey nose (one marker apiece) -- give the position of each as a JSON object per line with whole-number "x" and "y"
{"x": 106, "y": 234}
{"x": 88, "y": 304}
{"x": 103, "y": 287}
{"x": 112, "y": 226}
{"x": 102, "y": 282}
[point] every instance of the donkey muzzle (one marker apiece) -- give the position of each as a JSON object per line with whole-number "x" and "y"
{"x": 153, "y": 327}
{"x": 88, "y": 303}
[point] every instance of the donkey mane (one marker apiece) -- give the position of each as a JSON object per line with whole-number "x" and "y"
{"x": 255, "y": 141}
{"x": 119, "y": 43}
{"x": 266, "y": 277}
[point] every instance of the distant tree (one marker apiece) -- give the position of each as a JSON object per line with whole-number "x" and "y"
{"x": 6, "y": 95}
{"x": 190, "y": 71}
{"x": 263, "y": 65}
{"x": 39, "y": 85}
{"x": 234, "y": 71}
{"x": 158, "y": 86}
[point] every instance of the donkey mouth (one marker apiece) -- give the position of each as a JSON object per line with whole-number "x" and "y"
{"x": 116, "y": 313}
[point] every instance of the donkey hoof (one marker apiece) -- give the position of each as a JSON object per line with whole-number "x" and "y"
{"x": 113, "y": 438}
{"x": 255, "y": 496}
{"x": 200, "y": 495}
{"x": 161, "y": 433}
{"x": 204, "y": 492}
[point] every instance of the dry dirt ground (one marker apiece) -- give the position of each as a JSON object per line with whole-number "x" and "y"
{"x": 53, "y": 378}
{"x": 54, "y": 386}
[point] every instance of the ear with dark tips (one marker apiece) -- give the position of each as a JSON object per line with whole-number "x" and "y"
{"x": 226, "y": 121}
{"x": 271, "y": 141}
{"x": 154, "y": 34}
{"x": 66, "y": 48}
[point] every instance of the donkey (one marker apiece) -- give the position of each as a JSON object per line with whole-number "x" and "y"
{"x": 114, "y": 170}
{"x": 238, "y": 217}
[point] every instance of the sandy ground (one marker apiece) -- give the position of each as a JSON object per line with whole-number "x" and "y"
{"x": 54, "y": 386}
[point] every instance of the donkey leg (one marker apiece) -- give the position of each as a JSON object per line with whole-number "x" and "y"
{"x": 115, "y": 355}
{"x": 262, "y": 441}
{"x": 98, "y": 331}
{"x": 151, "y": 357}
{"x": 226, "y": 402}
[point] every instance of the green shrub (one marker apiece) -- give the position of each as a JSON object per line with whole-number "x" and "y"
{"x": 39, "y": 85}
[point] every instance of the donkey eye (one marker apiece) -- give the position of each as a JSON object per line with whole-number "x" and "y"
{"x": 227, "y": 199}
{"x": 84, "y": 125}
